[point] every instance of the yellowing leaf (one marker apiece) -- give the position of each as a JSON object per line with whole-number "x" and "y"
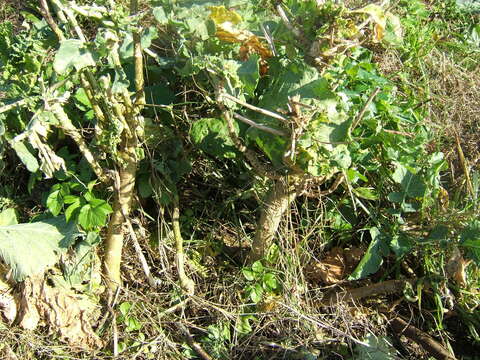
{"x": 375, "y": 12}
{"x": 379, "y": 32}
{"x": 220, "y": 15}
{"x": 377, "y": 15}
{"x": 225, "y": 21}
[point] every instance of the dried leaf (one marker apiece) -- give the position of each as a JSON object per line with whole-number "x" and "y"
{"x": 456, "y": 268}
{"x": 335, "y": 265}
{"x": 64, "y": 313}
{"x": 8, "y": 305}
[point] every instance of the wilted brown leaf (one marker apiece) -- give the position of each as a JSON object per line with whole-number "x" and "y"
{"x": 456, "y": 268}
{"x": 63, "y": 312}
{"x": 335, "y": 265}
{"x": 8, "y": 305}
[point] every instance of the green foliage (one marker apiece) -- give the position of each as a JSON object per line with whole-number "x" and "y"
{"x": 79, "y": 203}
{"x": 373, "y": 258}
{"x": 211, "y": 135}
{"x": 261, "y": 281}
{"x": 470, "y": 240}
{"x": 379, "y": 348}
{"x": 30, "y": 248}
{"x": 72, "y": 53}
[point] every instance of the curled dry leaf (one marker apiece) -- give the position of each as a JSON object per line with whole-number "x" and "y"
{"x": 63, "y": 312}
{"x": 335, "y": 266}
{"x": 456, "y": 268}
{"x": 8, "y": 305}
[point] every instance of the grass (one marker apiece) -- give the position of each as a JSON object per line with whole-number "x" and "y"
{"x": 441, "y": 69}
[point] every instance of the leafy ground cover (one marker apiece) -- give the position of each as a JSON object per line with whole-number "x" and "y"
{"x": 240, "y": 180}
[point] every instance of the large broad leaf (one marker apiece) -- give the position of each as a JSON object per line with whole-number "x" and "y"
{"x": 373, "y": 258}
{"x": 8, "y": 217}
{"x": 249, "y": 74}
{"x": 30, "y": 248}
{"x": 72, "y": 53}
{"x": 470, "y": 240}
{"x": 412, "y": 184}
{"x": 321, "y": 150}
{"x": 379, "y": 348}
{"x": 211, "y": 135}
{"x": 25, "y": 155}
{"x": 126, "y": 50}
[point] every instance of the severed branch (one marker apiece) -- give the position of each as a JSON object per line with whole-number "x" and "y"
{"x": 351, "y": 295}
{"x": 259, "y": 126}
{"x": 401, "y": 327}
{"x": 192, "y": 343}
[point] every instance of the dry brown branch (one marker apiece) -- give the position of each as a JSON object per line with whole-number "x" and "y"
{"x": 426, "y": 341}
{"x": 191, "y": 341}
{"x": 258, "y": 166}
{"x": 383, "y": 288}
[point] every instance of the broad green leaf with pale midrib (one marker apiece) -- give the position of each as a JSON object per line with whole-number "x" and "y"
{"x": 373, "y": 258}
{"x": 72, "y": 52}
{"x": 32, "y": 247}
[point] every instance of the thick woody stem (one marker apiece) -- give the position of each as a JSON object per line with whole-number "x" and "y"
{"x": 276, "y": 204}
{"x": 186, "y": 283}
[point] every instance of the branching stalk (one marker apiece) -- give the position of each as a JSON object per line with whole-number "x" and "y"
{"x": 73, "y": 132}
{"x": 277, "y": 203}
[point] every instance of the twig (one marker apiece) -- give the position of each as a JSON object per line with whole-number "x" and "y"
{"x": 72, "y": 131}
{"x": 257, "y": 165}
{"x": 396, "y": 132}
{"x": 300, "y": 37}
{"x": 322, "y": 325}
{"x": 332, "y": 188}
{"x": 11, "y": 106}
{"x": 259, "y": 126}
{"x": 173, "y": 308}
{"x": 254, "y": 108}
{"x": 191, "y": 341}
{"x": 152, "y": 281}
{"x": 269, "y": 39}
{"x": 426, "y": 341}
{"x": 48, "y": 17}
{"x": 463, "y": 163}
{"x": 364, "y": 109}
